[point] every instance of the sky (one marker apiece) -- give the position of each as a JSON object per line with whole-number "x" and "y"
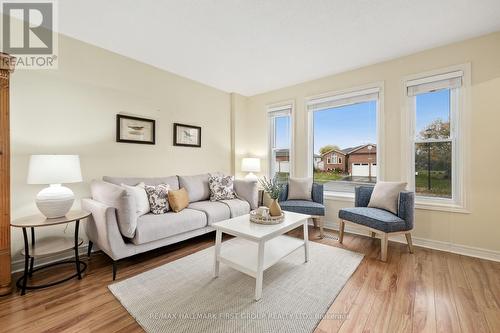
{"x": 346, "y": 126}
{"x": 432, "y": 106}
{"x": 356, "y": 124}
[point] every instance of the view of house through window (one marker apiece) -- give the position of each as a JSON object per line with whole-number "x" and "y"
{"x": 280, "y": 144}
{"x": 433, "y": 144}
{"x": 345, "y": 146}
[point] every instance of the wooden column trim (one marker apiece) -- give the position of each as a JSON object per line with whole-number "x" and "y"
{"x": 6, "y": 68}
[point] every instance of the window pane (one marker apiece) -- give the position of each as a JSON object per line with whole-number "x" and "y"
{"x": 282, "y": 132}
{"x": 433, "y": 169}
{"x": 282, "y": 164}
{"x": 281, "y": 150}
{"x": 345, "y": 146}
{"x": 433, "y": 115}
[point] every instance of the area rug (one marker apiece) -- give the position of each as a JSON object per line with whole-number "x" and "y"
{"x": 182, "y": 296}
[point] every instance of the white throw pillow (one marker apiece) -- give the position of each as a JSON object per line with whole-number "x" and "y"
{"x": 385, "y": 196}
{"x": 141, "y": 198}
{"x": 300, "y": 189}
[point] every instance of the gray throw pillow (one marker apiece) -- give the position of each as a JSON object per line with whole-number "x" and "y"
{"x": 300, "y": 189}
{"x": 221, "y": 188}
{"x": 247, "y": 190}
{"x": 385, "y": 196}
{"x": 124, "y": 203}
{"x": 158, "y": 198}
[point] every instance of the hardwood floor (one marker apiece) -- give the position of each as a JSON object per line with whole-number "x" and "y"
{"x": 428, "y": 291}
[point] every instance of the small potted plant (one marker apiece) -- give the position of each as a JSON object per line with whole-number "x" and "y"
{"x": 273, "y": 189}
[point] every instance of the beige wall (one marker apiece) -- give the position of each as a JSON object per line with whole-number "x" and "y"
{"x": 480, "y": 228}
{"x": 72, "y": 110}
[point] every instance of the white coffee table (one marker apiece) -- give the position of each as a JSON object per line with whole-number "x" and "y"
{"x": 258, "y": 246}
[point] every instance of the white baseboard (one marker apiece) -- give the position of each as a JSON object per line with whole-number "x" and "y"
{"x": 18, "y": 264}
{"x": 465, "y": 250}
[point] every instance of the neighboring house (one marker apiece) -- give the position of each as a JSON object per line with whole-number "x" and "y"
{"x": 282, "y": 160}
{"x": 318, "y": 163}
{"x": 355, "y": 161}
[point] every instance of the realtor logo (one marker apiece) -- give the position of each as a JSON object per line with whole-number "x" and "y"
{"x": 28, "y": 33}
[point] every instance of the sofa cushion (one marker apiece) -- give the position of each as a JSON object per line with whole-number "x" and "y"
{"x": 375, "y": 218}
{"x": 385, "y": 195}
{"x": 140, "y": 196}
{"x": 172, "y": 181}
{"x": 152, "y": 227}
{"x": 300, "y": 188}
{"x": 158, "y": 198}
{"x": 247, "y": 190}
{"x": 221, "y": 187}
{"x": 196, "y": 186}
{"x": 237, "y": 207}
{"x": 303, "y": 207}
{"x": 116, "y": 196}
{"x": 178, "y": 199}
{"x": 215, "y": 210}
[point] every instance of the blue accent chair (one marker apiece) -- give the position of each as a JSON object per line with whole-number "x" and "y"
{"x": 379, "y": 221}
{"x": 315, "y": 208}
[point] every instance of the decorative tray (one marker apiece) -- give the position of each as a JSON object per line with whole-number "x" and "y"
{"x": 259, "y": 219}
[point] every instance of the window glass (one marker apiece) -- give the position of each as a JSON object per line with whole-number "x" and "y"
{"x": 280, "y": 147}
{"x": 433, "y": 115}
{"x": 433, "y": 144}
{"x": 345, "y": 146}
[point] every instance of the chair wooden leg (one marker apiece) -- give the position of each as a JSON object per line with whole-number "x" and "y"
{"x": 384, "y": 244}
{"x": 320, "y": 222}
{"x": 341, "y": 231}
{"x": 315, "y": 222}
{"x": 372, "y": 234}
{"x": 408, "y": 240}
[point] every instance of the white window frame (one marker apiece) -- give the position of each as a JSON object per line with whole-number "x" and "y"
{"x": 348, "y": 94}
{"x": 274, "y": 110}
{"x": 459, "y": 135}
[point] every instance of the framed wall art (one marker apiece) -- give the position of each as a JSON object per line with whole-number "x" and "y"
{"x": 187, "y": 135}
{"x": 135, "y": 130}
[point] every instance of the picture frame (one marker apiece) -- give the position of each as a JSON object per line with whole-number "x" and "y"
{"x": 187, "y": 135}
{"x": 139, "y": 130}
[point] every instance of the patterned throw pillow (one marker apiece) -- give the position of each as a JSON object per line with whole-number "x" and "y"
{"x": 158, "y": 198}
{"x": 221, "y": 188}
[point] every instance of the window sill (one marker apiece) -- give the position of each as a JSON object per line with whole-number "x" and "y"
{"x": 420, "y": 204}
{"x": 444, "y": 206}
{"x": 339, "y": 196}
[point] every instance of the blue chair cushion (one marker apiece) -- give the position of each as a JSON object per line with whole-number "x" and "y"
{"x": 375, "y": 218}
{"x": 303, "y": 206}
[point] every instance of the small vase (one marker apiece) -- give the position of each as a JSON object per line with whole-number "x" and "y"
{"x": 274, "y": 208}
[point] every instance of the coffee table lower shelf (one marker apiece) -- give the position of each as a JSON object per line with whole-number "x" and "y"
{"x": 242, "y": 255}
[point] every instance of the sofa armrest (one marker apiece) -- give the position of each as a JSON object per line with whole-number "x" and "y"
{"x": 247, "y": 190}
{"x": 362, "y": 195}
{"x": 102, "y": 228}
{"x": 406, "y": 209}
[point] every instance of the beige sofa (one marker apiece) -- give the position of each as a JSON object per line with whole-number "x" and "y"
{"x": 120, "y": 234}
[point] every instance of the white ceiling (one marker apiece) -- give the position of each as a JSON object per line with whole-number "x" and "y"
{"x": 254, "y": 46}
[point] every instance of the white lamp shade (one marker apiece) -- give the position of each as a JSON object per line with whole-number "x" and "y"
{"x": 250, "y": 164}
{"x": 54, "y": 169}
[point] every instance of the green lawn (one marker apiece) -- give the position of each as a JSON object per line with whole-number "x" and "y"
{"x": 326, "y": 176}
{"x": 440, "y": 184}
